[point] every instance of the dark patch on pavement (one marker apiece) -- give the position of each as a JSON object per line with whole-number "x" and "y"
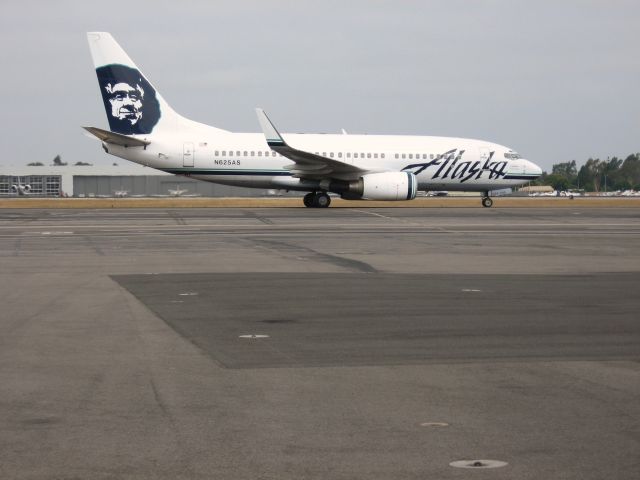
{"x": 390, "y": 319}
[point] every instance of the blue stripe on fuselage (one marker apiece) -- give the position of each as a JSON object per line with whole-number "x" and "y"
{"x": 213, "y": 171}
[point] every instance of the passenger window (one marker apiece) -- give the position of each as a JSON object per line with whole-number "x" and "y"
{"x": 397, "y": 156}
{"x": 260, "y": 153}
{"x": 324, "y": 154}
{"x": 404, "y": 155}
{"x": 339, "y": 154}
{"x": 355, "y": 155}
{"x": 273, "y": 154}
{"x": 224, "y": 153}
{"x": 245, "y": 153}
{"x": 411, "y": 156}
{"x": 253, "y": 154}
{"x": 237, "y": 153}
{"x": 431, "y": 156}
{"x": 375, "y": 155}
{"x": 216, "y": 153}
{"x": 348, "y": 154}
{"x": 331, "y": 154}
{"x": 382, "y": 155}
{"x": 368, "y": 155}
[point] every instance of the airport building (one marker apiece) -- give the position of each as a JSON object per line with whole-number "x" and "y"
{"x": 111, "y": 181}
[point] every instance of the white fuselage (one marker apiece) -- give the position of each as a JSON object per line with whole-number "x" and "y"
{"x": 245, "y": 159}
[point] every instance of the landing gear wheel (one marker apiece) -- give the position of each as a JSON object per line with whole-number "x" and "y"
{"x": 321, "y": 200}
{"x": 308, "y": 200}
{"x": 487, "y": 202}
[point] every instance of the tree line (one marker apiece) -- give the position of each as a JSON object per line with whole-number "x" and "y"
{"x": 57, "y": 162}
{"x": 595, "y": 175}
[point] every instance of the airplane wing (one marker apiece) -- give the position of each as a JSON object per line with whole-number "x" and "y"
{"x": 306, "y": 165}
{"x": 116, "y": 138}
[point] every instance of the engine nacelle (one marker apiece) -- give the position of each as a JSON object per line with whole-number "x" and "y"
{"x": 20, "y": 189}
{"x": 379, "y": 186}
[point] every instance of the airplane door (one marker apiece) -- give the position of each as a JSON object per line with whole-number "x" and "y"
{"x": 187, "y": 155}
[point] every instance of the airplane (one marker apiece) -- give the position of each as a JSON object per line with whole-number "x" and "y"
{"x": 178, "y": 192}
{"x": 20, "y": 189}
{"x": 144, "y": 129}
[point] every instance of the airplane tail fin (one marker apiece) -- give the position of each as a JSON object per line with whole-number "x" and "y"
{"x": 132, "y": 104}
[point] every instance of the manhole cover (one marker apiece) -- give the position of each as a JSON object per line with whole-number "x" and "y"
{"x": 478, "y": 464}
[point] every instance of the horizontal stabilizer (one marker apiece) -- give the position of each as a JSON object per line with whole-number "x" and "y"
{"x": 116, "y": 138}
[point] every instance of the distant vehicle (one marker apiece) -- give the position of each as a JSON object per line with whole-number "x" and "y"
{"x": 557, "y": 193}
{"x": 144, "y": 129}
{"x": 121, "y": 193}
{"x": 566, "y": 193}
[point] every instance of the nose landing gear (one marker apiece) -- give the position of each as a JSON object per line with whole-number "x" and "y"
{"x": 486, "y": 200}
{"x": 317, "y": 200}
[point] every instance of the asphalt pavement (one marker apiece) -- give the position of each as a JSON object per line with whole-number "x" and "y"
{"x": 341, "y": 343}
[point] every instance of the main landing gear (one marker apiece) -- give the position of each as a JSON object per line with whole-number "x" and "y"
{"x": 486, "y": 200}
{"x": 317, "y": 200}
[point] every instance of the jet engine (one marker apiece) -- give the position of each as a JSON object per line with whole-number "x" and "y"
{"x": 378, "y": 186}
{"x": 20, "y": 189}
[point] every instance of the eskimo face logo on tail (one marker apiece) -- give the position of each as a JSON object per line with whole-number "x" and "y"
{"x": 130, "y": 101}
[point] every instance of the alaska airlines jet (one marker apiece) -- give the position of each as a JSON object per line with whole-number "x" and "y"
{"x": 144, "y": 129}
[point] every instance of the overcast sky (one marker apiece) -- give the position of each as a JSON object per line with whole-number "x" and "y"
{"x": 554, "y": 80}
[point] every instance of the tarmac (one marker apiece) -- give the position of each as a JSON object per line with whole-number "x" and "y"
{"x": 453, "y": 201}
{"x": 342, "y": 343}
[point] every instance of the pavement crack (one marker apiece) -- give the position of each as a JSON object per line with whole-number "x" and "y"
{"x": 176, "y": 217}
{"x": 266, "y": 221}
{"x": 159, "y": 401}
{"x": 309, "y": 254}
{"x": 17, "y": 247}
{"x": 92, "y": 244}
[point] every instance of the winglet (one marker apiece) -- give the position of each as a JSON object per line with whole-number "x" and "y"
{"x": 274, "y": 139}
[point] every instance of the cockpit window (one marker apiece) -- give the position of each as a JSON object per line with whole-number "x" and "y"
{"x": 512, "y": 155}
